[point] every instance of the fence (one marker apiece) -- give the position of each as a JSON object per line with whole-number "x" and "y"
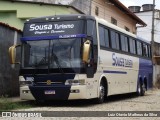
{"x": 9, "y": 84}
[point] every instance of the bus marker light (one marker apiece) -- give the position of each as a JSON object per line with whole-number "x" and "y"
{"x": 25, "y": 91}
{"x": 75, "y": 91}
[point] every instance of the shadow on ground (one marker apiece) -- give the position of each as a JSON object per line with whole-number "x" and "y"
{"x": 82, "y": 103}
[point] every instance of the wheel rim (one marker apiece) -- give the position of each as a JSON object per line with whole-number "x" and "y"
{"x": 139, "y": 89}
{"x": 102, "y": 92}
{"x": 144, "y": 87}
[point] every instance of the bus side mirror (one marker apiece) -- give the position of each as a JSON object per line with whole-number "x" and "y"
{"x": 86, "y": 50}
{"x": 12, "y": 54}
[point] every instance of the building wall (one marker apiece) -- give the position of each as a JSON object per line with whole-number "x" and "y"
{"x": 145, "y": 32}
{"x": 108, "y": 10}
{"x": 15, "y": 13}
{"x": 66, "y": 2}
{"x": 9, "y": 82}
{"x": 83, "y": 5}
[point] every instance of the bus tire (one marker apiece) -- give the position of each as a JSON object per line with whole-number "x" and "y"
{"x": 101, "y": 97}
{"x": 141, "y": 89}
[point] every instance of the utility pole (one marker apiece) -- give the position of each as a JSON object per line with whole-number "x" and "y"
{"x": 152, "y": 34}
{"x": 153, "y": 47}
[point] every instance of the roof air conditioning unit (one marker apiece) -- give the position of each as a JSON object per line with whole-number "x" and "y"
{"x": 134, "y": 8}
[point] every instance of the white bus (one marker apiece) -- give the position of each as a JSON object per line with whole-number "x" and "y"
{"x": 70, "y": 57}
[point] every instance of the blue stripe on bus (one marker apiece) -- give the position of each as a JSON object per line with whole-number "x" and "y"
{"x": 145, "y": 71}
{"x": 114, "y": 72}
{"x": 53, "y": 37}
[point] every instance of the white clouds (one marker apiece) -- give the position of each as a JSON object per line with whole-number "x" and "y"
{"x": 128, "y": 2}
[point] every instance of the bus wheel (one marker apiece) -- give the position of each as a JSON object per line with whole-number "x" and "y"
{"x": 101, "y": 97}
{"x": 141, "y": 89}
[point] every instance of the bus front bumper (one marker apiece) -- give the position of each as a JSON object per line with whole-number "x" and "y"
{"x": 25, "y": 93}
{"x": 53, "y": 92}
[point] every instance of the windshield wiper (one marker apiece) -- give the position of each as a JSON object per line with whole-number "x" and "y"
{"x": 42, "y": 62}
{"x": 55, "y": 58}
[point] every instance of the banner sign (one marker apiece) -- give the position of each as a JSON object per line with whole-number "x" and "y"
{"x": 53, "y": 28}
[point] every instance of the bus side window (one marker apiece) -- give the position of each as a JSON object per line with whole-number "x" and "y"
{"x": 106, "y": 34}
{"x": 132, "y": 46}
{"x": 139, "y": 48}
{"x": 101, "y": 36}
{"x": 114, "y": 40}
{"x": 149, "y": 51}
{"x": 91, "y": 30}
{"x": 124, "y": 43}
{"x": 145, "y": 50}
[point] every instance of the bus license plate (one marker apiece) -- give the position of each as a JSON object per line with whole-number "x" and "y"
{"x": 50, "y": 92}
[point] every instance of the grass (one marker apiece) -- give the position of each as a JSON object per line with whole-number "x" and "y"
{"x": 7, "y": 105}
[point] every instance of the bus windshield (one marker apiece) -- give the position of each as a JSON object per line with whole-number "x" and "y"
{"x": 56, "y": 46}
{"x": 57, "y": 53}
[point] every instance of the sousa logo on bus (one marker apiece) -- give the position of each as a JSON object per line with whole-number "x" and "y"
{"x": 34, "y": 27}
{"x": 120, "y": 61}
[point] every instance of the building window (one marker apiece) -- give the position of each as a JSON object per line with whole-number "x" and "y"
{"x": 113, "y": 21}
{"x": 97, "y": 11}
{"x": 127, "y": 29}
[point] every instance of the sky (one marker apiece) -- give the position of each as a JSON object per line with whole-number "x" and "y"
{"x": 140, "y": 2}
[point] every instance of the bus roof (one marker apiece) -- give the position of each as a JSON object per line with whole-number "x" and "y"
{"x": 79, "y": 17}
{"x": 60, "y": 17}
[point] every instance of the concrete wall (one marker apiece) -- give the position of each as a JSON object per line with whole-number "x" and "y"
{"x": 9, "y": 83}
{"x": 156, "y": 76}
{"x": 156, "y": 70}
{"x": 83, "y": 5}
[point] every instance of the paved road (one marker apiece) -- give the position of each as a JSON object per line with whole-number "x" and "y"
{"x": 129, "y": 102}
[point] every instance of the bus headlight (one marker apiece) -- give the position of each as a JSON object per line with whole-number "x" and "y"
{"x": 23, "y": 82}
{"x": 75, "y": 82}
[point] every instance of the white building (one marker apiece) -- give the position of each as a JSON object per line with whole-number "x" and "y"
{"x": 146, "y": 16}
{"x": 145, "y": 32}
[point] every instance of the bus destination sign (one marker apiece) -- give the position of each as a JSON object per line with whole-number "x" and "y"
{"x": 52, "y": 28}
